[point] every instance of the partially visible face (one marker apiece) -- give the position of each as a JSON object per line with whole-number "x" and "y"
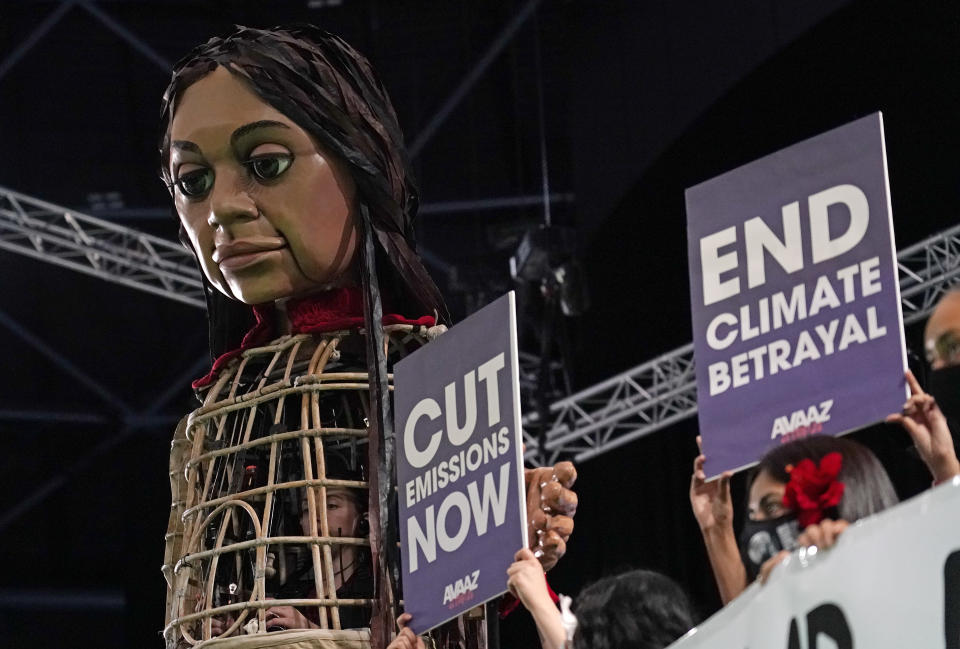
{"x": 343, "y": 515}
{"x": 269, "y": 215}
{"x": 941, "y": 337}
{"x": 766, "y": 498}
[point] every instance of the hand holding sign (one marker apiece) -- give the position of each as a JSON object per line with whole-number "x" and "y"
{"x": 406, "y": 639}
{"x": 460, "y": 467}
{"x": 526, "y": 582}
{"x": 823, "y": 535}
{"x": 710, "y": 501}
{"x": 551, "y": 506}
{"x": 794, "y": 296}
{"x": 928, "y": 429}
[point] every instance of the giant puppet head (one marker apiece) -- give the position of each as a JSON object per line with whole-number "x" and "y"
{"x": 281, "y": 149}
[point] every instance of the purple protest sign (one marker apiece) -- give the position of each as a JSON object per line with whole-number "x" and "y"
{"x": 460, "y": 466}
{"x": 796, "y": 306}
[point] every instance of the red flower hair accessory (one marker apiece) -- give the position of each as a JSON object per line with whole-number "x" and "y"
{"x": 812, "y": 489}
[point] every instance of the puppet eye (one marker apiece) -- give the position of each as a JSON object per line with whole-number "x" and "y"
{"x": 268, "y": 167}
{"x": 195, "y": 183}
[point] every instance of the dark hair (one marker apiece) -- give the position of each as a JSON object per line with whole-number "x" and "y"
{"x": 867, "y": 490}
{"x": 339, "y": 467}
{"x": 640, "y": 609}
{"x": 328, "y": 89}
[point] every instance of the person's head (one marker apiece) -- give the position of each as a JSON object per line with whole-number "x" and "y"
{"x": 867, "y": 487}
{"x": 346, "y": 513}
{"x": 280, "y": 147}
{"x": 346, "y": 506}
{"x": 640, "y": 609}
{"x": 941, "y": 336}
{"x": 941, "y": 341}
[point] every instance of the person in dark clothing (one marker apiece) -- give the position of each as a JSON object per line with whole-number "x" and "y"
{"x": 352, "y": 573}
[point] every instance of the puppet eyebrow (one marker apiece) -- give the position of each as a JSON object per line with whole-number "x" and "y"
{"x": 246, "y": 129}
{"x": 185, "y": 145}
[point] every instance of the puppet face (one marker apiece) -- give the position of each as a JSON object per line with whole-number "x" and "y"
{"x": 269, "y": 214}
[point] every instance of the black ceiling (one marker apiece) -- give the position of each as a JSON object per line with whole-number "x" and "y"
{"x": 641, "y": 99}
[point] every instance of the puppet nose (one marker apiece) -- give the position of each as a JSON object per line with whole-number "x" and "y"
{"x": 230, "y": 203}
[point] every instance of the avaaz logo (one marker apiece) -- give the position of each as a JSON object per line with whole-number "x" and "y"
{"x": 461, "y": 590}
{"x": 801, "y": 423}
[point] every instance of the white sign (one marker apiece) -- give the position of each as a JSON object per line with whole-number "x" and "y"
{"x": 891, "y": 582}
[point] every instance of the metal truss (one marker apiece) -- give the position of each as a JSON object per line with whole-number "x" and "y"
{"x": 58, "y": 13}
{"x": 133, "y": 422}
{"x": 59, "y": 601}
{"x": 123, "y": 255}
{"x": 601, "y": 418}
{"x": 618, "y": 410}
{"x": 441, "y": 207}
{"x": 32, "y": 227}
{"x": 663, "y": 391}
{"x": 927, "y": 270}
{"x": 34, "y": 37}
{"x": 470, "y": 79}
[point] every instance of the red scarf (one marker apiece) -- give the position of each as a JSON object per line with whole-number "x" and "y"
{"x": 334, "y": 310}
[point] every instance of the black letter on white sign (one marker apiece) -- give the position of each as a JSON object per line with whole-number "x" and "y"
{"x": 951, "y": 600}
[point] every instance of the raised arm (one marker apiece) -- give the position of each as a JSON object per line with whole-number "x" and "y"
{"x": 527, "y": 583}
{"x": 927, "y": 427}
{"x": 713, "y": 510}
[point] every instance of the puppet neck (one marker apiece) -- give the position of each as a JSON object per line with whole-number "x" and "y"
{"x": 332, "y": 310}
{"x": 336, "y": 308}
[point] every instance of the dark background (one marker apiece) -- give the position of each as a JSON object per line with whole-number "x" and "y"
{"x": 641, "y": 99}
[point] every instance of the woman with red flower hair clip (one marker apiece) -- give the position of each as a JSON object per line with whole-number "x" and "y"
{"x": 821, "y": 484}
{"x": 804, "y": 492}
{"x": 807, "y": 492}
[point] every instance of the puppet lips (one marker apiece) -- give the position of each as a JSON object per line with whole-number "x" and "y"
{"x": 238, "y": 254}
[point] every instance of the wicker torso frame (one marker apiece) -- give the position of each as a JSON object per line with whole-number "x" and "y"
{"x": 246, "y": 468}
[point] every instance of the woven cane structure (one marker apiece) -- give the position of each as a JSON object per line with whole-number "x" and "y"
{"x": 249, "y": 481}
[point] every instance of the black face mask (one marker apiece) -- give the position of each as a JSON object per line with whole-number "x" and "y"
{"x": 944, "y": 385}
{"x": 761, "y": 540}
